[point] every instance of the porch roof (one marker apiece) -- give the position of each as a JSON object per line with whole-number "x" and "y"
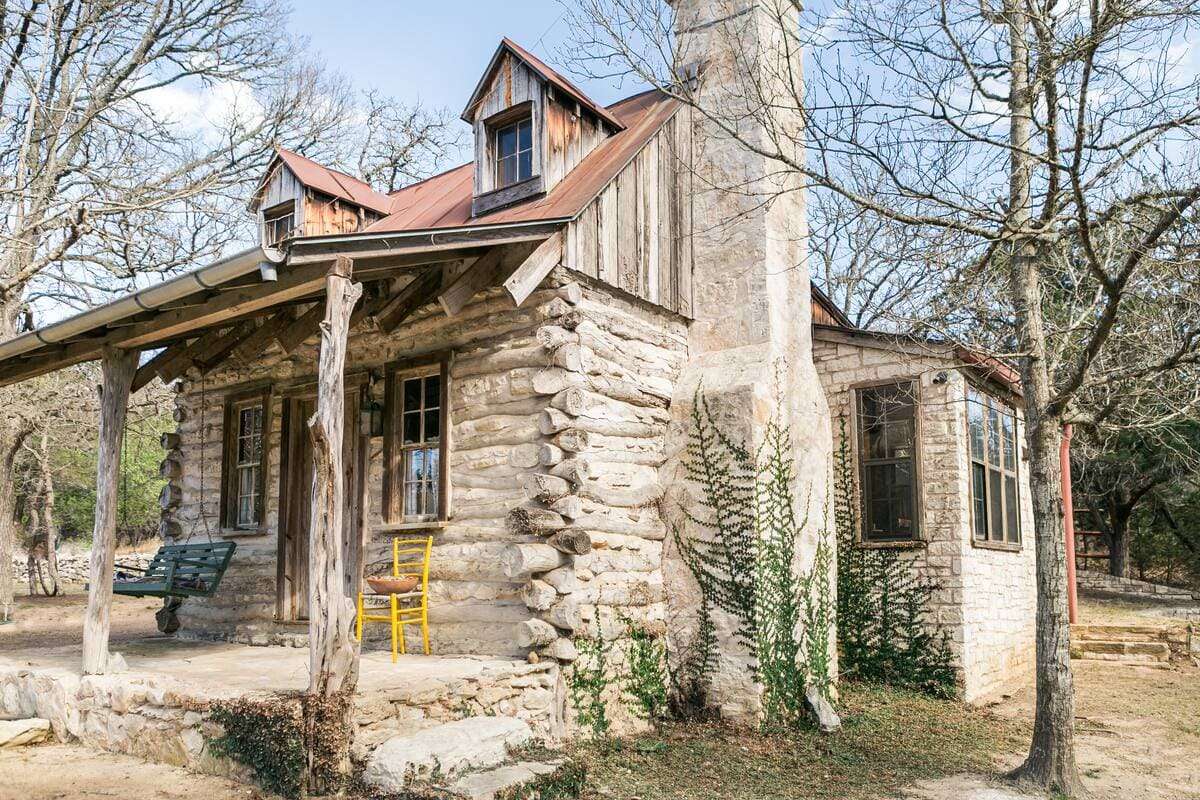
{"x": 247, "y": 288}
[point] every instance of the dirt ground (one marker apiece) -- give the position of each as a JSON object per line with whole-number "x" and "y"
{"x": 1138, "y": 732}
{"x": 58, "y": 621}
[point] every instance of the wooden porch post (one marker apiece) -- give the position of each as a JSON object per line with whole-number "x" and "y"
{"x": 118, "y": 368}
{"x": 333, "y": 652}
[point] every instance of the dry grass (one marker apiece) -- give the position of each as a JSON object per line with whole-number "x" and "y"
{"x": 889, "y": 739}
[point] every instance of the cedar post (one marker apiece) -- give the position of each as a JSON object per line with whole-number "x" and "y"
{"x": 118, "y": 368}
{"x": 333, "y": 652}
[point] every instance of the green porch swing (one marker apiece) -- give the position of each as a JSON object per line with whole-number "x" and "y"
{"x": 177, "y": 571}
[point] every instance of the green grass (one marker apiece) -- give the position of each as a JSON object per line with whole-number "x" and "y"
{"x": 889, "y": 739}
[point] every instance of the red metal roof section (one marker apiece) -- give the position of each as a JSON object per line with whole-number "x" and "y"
{"x": 334, "y": 183}
{"x": 444, "y": 201}
{"x": 560, "y": 82}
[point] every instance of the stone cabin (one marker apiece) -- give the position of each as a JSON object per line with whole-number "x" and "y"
{"x": 519, "y": 371}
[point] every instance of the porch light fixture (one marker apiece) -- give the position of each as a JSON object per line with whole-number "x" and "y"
{"x": 371, "y": 414}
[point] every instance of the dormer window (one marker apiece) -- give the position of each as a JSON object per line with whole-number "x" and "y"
{"x": 514, "y": 152}
{"x": 279, "y": 223}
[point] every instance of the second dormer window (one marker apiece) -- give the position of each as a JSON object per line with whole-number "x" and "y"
{"x": 514, "y": 153}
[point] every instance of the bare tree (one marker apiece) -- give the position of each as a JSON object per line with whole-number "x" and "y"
{"x": 399, "y": 143}
{"x": 1024, "y": 130}
{"x": 107, "y": 172}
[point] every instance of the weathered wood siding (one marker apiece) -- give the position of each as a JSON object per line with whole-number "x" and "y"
{"x": 512, "y": 84}
{"x": 281, "y": 187}
{"x": 570, "y": 389}
{"x": 570, "y": 134}
{"x": 636, "y": 234}
{"x": 327, "y": 215}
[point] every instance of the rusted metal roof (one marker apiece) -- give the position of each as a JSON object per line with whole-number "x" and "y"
{"x": 547, "y": 74}
{"x": 333, "y": 182}
{"x": 444, "y": 201}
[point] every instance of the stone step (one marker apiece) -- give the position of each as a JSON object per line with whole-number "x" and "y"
{"x": 444, "y": 752}
{"x": 1120, "y": 650}
{"x": 1129, "y": 633}
{"x": 487, "y": 784}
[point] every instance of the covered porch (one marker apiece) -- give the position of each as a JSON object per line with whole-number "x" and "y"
{"x": 153, "y": 707}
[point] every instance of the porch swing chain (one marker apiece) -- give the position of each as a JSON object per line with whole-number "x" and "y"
{"x": 203, "y": 464}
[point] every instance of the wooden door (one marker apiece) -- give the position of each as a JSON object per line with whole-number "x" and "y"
{"x": 295, "y": 505}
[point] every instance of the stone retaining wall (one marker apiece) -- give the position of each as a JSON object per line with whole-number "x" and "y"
{"x": 156, "y": 717}
{"x": 73, "y": 566}
{"x": 1104, "y": 584}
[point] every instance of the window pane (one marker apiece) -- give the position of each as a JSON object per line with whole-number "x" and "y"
{"x": 412, "y": 394}
{"x": 887, "y": 422}
{"x": 525, "y": 165}
{"x": 1009, "y": 441}
{"x": 996, "y": 504}
{"x": 975, "y": 425}
{"x": 412, "y": 427}
{"x": 433, "y": 391}
{"x": 979, "y": 500}
{"x": 993, "y": 436}
{"x": 506, "y": 141}
{"x": 525, "y": 135}
{"x": 1012, "y": 522}
{"x": 433, "y": 422}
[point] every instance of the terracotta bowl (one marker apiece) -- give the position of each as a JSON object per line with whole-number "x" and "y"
{"x": 386, "y": 584}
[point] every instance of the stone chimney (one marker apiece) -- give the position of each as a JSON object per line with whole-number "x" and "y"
{"x": 750, "y": 346}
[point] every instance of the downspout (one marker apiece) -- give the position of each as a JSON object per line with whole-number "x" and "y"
{"x": 1068, "y": 506}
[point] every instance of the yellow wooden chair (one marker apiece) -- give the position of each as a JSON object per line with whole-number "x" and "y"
{"x": 410, "y": 558}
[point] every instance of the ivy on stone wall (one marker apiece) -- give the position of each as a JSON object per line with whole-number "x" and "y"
{"x": 742, "y": 553}
{"x": 883, "y": 629}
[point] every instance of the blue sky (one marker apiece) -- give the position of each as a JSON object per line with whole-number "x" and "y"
{"x": 434, "y": 52}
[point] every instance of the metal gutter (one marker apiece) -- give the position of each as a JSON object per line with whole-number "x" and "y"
{"x": 152, "y": 297}
{"x": 429, "y": 235}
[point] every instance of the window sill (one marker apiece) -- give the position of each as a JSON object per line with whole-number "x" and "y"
{"x": 900, "y": 544}
{"x": 1007, "y": 547}
{"x": 396, "y": 528}
{"x": 506, "y": 195}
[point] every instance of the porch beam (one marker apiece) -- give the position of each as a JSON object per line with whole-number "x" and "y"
{"x": 333, "y": 653}
{"x": 254, "y": 344}
{"x": 527, "y": 277}
{"x": 417, "y": 293}
{"x": 492, "y": 268}
{"x": 117, "y": 370}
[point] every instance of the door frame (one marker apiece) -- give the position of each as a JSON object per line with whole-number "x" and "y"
{"x": 355, "y": 459}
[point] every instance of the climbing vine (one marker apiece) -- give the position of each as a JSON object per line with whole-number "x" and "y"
{"x": 883, "y": 631}
{"x": 265, "y": 735}
{"x": 743, "y": 552}
{"x": 587, "y": 684}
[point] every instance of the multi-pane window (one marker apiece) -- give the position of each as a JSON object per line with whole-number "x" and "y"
{"x": 244, "y": 460}
{"x": 419, "y": 457}
{"x": 279, "y": 222}
{"x": 514, "y": 153}
{"x": 995, "y": 502}
{"x": 887, "y": 459}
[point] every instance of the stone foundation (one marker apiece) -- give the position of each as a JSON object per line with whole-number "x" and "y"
{"x": 157, "y": 715}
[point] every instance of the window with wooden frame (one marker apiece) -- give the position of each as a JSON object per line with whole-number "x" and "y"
{"x": 995, "y": 487}
{"x": 513, "y": 146}
{"x": 279, "y": 223}
{"x": 416, "y": 430}
{"x": 244, "y": 466}
{"x": 887, "y": 461}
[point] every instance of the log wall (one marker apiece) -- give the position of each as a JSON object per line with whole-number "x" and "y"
{"x": 558, "y": 414}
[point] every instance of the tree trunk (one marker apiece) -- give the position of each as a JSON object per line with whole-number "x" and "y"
{"x": 48, "y": 501}
{"x": 11, "y": 439}
{"x": 1050, "y": 764}
{"x": 118, "y": 367}
{"x": 1118, "y": 542}
{"x": 333, "y": 652}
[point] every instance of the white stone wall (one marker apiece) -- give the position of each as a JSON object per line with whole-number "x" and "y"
{"x": 986, "y": 597}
